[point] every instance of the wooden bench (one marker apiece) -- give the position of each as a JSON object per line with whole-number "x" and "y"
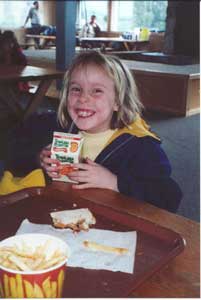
{"x": 44, "y": 39}
{"x": 27, "y": 45}
{"x": 172, "y": 89}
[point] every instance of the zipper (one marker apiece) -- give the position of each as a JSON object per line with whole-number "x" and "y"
{"x": 115, "y": 149}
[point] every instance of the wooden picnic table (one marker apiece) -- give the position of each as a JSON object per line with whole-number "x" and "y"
{"x": 128, "y": 44}
{"x": 45, "y": 39}
{"x": 10, "y": 75}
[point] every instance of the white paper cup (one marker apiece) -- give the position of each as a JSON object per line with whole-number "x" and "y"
{"x": 46, "y": 283}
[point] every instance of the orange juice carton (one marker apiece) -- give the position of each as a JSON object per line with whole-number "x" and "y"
{"x": 66, "y": 147}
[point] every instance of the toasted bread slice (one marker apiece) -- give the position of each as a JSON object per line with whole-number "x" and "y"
{"x": 76, "y": 219}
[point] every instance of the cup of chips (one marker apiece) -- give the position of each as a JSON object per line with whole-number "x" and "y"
{"x": 32, "y": 266}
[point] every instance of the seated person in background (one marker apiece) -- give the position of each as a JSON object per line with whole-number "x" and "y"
{"x": 119, "y": 152}
{"x": 11, "y": 54}
{"x": 90, "y": 29}
{"x": 49, "y": 30}
{"x": 10, "y": 51}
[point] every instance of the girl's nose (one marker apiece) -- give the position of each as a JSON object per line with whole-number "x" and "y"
{"x": 84, "y": 97}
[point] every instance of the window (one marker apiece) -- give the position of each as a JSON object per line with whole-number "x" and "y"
{"x": 128, "y": 15}
{"x": 97, "y": 8}
{"x": 14, "y": 13}
{"x": 125, "y": 15}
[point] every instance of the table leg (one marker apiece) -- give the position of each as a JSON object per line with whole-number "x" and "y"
{"x": 44, "y": 43}
{"x": 10, "y": 96}
{"x": 37, "y": 97}
{"x": 126, "y": 46}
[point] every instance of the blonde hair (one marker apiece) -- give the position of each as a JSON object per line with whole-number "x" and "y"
{"x": 126, "y": 95}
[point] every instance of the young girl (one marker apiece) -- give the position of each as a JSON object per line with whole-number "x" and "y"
{"x": 119, "y": 152}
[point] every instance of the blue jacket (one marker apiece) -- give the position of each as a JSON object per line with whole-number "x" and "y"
{"x": 134, "y": 155}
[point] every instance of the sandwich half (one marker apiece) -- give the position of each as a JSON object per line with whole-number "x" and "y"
{"x": 76, "y": 219}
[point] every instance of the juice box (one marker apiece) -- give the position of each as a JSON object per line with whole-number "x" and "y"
{"x": 66, "y": 147}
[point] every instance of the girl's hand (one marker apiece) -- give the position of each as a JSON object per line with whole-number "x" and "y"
{"x": 46, "y": 162}
{"x": 93, "y": 175}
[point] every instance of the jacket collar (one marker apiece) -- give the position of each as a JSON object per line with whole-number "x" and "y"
{"x": 138, "y": 128}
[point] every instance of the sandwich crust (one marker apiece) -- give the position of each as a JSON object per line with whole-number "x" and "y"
{"x": 76, "y": 219}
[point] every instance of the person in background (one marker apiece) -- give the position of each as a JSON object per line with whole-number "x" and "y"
{"x": 119, "y": 152}
{"x": 10, "y": 51}
{"x": 36, "y": 27}
{"x": 11, "y": 54}
{"x": 33, "y": 15}
{"x": 90, "y": 29}
{"x": 49, "y": 31}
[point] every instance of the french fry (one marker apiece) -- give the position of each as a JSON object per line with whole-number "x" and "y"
{"x": 18, "y": 262}
{"x": 29, "y": 290}
{"x": 8, "y": 264}
{"x": 40, "y": 250}
{"x": 60, "y": 281}
{"x": 38, "y": 291}
{"x": 50, "y": 263}
{"x": 54, "y": 289}
{"x": 3, "y": 256}
{"x": 1, "y": 290}
{"x": 13, "y": 287}
{"x": 98, "y": 247}
{"x": 20, "y": 291}
{"x": 6, "y": 286}
{"x": 57, "y": 253}
{"x": 24, "y": 252}
{"x": 37, "y": 263}
{"x": 26, "y": 248}
{"x": 16, "y": 258}
{"x": 47, "y": 287}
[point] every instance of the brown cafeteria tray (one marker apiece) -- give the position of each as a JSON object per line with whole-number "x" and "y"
{"x": 156, "y": 245}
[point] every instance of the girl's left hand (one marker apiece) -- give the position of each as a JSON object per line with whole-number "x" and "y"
{"x": 93, "y": 175}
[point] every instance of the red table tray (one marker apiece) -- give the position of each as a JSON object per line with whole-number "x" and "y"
{"x": 156, "y": 245}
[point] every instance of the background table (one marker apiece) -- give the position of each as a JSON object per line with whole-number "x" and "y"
{"x": 44, "y": 39}
{"x": 10, "y": 75}
{"x": 105, "y": 41}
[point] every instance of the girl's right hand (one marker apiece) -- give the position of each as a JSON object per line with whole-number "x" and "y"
{"x": 46, "y": 162}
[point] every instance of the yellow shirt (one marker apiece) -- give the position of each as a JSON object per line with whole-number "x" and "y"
{"x": 94, "y": 143}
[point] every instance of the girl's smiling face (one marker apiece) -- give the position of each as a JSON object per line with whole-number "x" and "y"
{"x": 91, "y": 99}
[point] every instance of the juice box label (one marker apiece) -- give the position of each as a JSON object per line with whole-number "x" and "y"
{"x": 66, "y": 148}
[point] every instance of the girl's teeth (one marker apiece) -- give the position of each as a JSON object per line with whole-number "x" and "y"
{"x": 84, "y": 114}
